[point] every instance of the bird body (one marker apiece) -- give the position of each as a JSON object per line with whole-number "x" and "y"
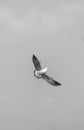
{"x": 38, "y": 74}
{"x": 41, "y": 71}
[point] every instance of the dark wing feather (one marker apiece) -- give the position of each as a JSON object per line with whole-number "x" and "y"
{"x": 36, "y": 63}
{"x": 50, "y": 80}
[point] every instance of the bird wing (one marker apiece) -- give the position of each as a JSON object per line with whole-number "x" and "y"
{"x": 36, "y": 63}
{"x": 50, "y": 80}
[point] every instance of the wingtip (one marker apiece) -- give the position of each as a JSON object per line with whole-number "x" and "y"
{"x": 33, "y": 56}
{"x": 58, "y": 84}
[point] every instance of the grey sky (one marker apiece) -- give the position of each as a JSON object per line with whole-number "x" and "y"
{"x": 54, "y": 31}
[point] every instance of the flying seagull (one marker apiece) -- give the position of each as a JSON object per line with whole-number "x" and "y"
{"x": 41, "y": 73}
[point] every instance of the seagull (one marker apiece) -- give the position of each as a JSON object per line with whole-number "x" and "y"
{"x": 41, "y": 73}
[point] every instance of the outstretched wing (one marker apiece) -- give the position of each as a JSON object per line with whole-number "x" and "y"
{"x": 36, "y": 63}
{"x": 50, "y": 80}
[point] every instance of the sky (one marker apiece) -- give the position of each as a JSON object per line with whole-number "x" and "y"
{"x": 54, "y": 32}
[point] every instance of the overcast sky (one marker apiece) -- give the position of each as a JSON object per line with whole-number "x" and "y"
{"x": 54, "y": 32}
